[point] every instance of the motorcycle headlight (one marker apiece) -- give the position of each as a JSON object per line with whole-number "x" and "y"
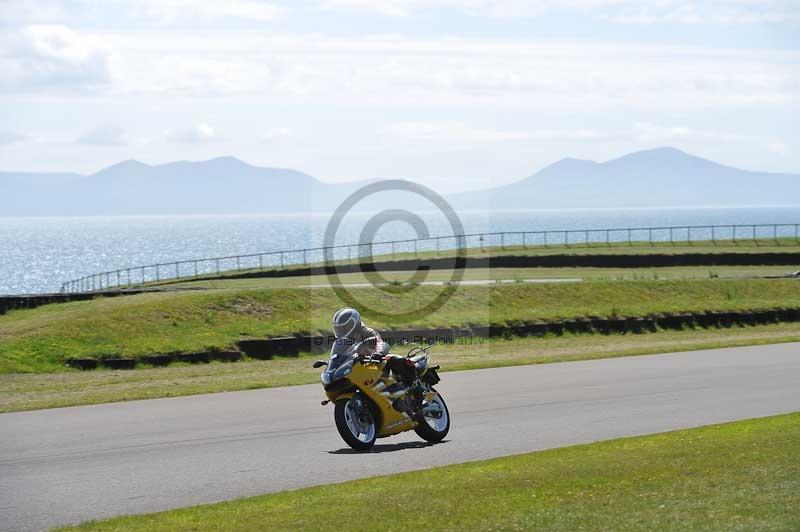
{"x": 326, "y": 377}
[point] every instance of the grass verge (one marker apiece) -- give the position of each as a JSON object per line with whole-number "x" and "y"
{"x": 734, "y": 476}
{"x": 39, "y": 340}
{"x": 30, "y": 391}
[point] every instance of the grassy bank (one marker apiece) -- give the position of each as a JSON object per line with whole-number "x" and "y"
{"x": 30, "y": 391}
{"x": 735, "y": 476}
{"x": 39, "y": 340}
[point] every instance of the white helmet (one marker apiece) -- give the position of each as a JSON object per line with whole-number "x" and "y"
{"x": 345, "y": 322}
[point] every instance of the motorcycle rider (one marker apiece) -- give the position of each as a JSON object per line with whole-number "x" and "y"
{"x": 347, "y": 324}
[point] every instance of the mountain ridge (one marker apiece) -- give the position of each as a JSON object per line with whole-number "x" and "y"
{"x": 658, "y": 177}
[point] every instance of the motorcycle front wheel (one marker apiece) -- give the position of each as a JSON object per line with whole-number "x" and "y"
{"x": 357, "y": 432}
{"x": 431, "y": 428}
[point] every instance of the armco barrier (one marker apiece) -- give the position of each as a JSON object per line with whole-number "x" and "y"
{"x": 268, "y": 348}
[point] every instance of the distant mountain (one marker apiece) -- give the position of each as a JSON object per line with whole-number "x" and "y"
{"x": 224, "y": 185}
{"x": 662, "y": 177}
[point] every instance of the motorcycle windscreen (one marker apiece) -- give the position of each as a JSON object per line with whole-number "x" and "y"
{"x": 341, "y": 350}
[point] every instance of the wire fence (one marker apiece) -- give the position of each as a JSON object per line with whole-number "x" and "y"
{"x": 688, "y": 235}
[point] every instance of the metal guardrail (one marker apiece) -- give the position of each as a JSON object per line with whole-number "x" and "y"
{"x": 731, "y": 235}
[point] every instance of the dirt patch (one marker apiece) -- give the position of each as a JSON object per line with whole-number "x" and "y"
{"x": 247, "y": 306}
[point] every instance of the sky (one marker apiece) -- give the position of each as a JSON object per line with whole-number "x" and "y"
{"x": 456, "y": 94}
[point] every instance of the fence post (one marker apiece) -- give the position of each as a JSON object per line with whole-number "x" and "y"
{"x": 754, "y": 236}
{"x": 713, "y": 235}
{"x": 158, "y": 274}
{"x": 238, "y": 263}
{"x": 650, "y": 235}
{"x": 796, "y": 235}
{"x": 503, "y": 240}
{"x": 545, "y": 239}
{"x": 775, "y": 234}
{"x": 587, "y": 238}
{"x": 734, "y": 235}
{"x": 281, "y": 259}
{"x": 305, "y": 258}
{"x": 177, "y": 270}
{"x": 566, "y": 239}
{"x": 629, "y": 238}
{"x": 416, "y": 252}
{"x": 216, "y": 261}
{"x": 118, "y": 281}
{"x": 393, "y": 254}
{"x": 689, "y": 234}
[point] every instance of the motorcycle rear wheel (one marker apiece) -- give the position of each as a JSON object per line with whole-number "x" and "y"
{"x": 434, "y": 429}
{"x": 349, "y": 426}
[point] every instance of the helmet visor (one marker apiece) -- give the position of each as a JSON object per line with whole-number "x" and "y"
{"x": 346, "y": 329}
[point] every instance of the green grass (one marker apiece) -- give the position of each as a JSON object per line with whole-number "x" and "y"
{"x": 39, "y": 340}
{"x": 29, "y": 391}
{"x": 735, "y": 476}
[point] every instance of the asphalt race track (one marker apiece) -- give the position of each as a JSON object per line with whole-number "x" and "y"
{"x": 69, "y": 465}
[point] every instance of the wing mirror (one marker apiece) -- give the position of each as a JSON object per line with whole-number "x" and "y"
{"x": 320, "y": 363}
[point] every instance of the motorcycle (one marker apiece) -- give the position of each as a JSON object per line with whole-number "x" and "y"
{"x": 369, "y": 402}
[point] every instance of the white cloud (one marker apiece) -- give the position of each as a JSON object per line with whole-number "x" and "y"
{"x": 452, "y": 71}
{"x": 182, "y": 11}
{"x": 10, "y": 137}
{"x": 460, "y": 132}
{"x": 193, "y": 134}
{"x": 105, "y": 135}
{"x": 647, "y": 132}
{"x": 48, "y": 56}
{"x": 623, "y": 11}
{"x": 277, "y": 133}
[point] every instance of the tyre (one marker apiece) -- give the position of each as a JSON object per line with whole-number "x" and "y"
{"x": 358, "y": 433}
{"x": 431, "y": 428}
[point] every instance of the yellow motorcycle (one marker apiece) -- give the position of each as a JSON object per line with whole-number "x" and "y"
{"x": 369, "y": 403}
